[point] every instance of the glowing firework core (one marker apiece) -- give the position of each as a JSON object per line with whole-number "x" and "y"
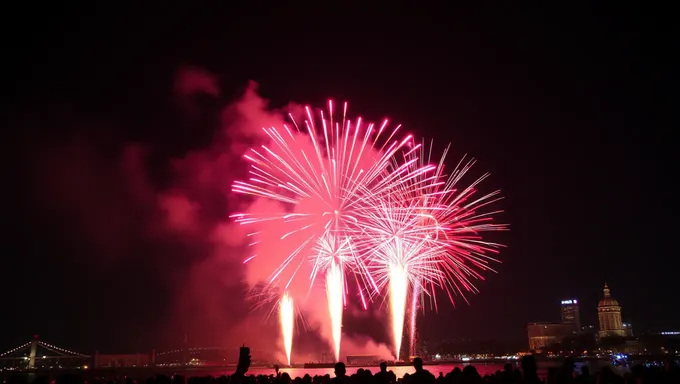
{"x": 398, "y": 290}
{"x": 334, "y": 295}
{"x": 287, "y": 318}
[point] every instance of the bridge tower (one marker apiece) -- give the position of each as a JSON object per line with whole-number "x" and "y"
{"x": 34, "y": 349}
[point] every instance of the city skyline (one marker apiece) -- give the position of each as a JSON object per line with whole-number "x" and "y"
{"x": 626, "y": 327}
{"x": 38, "y": 354}
{"x": 590, "y": 305}
{"x": 544, "y": 335}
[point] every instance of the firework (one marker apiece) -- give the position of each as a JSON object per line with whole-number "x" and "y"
{"x": 400, "y": 256}
{"x": 412, "y": 321}
{"x": 322, "y": 172}
{"x": 332, "y": 256}
{"x": 334, "y": 295}
{"x": 426, "y": 234}
{"x": 287, "y": 319}
{"x": 458, "y": 215}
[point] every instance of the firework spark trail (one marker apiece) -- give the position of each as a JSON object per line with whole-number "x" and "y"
{"x": 393, "y": 236}
{"x": 287, "y": 320}
{"x": 414, "y": 313}
{"x": 451, "y": 219}
{"x": 461, "y": 216}
{"x": 324, "y": 171}
{"x": 400, "y": 259}
{"x": 426, "y": 233}
{"x": 395, "y": 229}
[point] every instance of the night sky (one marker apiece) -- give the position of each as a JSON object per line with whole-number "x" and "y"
{"x": 569, "y": 109}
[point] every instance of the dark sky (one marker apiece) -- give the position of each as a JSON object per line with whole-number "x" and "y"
{"x": 568, "y": 108}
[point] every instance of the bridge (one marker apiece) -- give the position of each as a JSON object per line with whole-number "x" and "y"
{"x": 39, "y": 354}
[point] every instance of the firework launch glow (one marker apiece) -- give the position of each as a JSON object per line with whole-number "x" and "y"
{"x": 369, "y": 208}
{"x": 398, "y": 290}
{"x": 332, "y": 253}
{"x": 287, "y": 319}
{"x": 334, "y": 295}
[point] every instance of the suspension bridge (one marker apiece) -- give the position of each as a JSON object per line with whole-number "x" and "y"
{"x": 40, "y": 354}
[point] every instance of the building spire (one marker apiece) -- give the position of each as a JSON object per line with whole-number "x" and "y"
{"x": 606, "y": 291}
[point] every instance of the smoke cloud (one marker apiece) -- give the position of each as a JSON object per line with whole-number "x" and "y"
{"x": 163, "y": 224}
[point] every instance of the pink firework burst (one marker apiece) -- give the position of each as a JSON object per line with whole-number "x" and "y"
{"x": 321, "y": 172}
{"x": 427, "y": 233}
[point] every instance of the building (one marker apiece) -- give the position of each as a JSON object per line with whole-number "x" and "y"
{"x": 542, "y": 335}
{"x": 571, "y": 314}
{"x": 628, "y": 328}
{"x": 609, "y": 316}
{"x": 363, "y": 360}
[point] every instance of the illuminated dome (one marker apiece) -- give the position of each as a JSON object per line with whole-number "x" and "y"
{"x": 607, "y": 300}
{"x": 609, "y": 316}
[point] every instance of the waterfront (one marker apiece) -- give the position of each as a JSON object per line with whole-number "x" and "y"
{"x": 482, "y": 368}
{"x": 141, "y": 373}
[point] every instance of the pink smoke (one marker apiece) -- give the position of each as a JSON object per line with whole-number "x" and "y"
{"x": 117, "y": 206}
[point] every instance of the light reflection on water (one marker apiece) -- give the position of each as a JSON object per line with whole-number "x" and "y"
{"x": 482, "y": 369}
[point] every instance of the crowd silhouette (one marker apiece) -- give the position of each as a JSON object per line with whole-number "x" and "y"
{"x": 528, "y": 374}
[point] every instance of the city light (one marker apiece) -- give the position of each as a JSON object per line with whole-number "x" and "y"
{"x": 574, "y": 301}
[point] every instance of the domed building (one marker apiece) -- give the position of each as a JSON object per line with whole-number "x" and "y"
{"x": 609, "y": 316}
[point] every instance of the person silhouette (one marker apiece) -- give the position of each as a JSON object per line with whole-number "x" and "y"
{"x": 529, "y": 369}
{"x": 340, "y": 374}
{"x": 421, "y": 375}
{"x": 242, "y": 366}
{"x": 383, "y": 376}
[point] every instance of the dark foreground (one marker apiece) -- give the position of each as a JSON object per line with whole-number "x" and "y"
{"x": 528, "y": 372}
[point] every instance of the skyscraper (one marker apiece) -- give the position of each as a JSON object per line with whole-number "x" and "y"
{"x": 609, "y": 316}
{"x": 571, "y": 314}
